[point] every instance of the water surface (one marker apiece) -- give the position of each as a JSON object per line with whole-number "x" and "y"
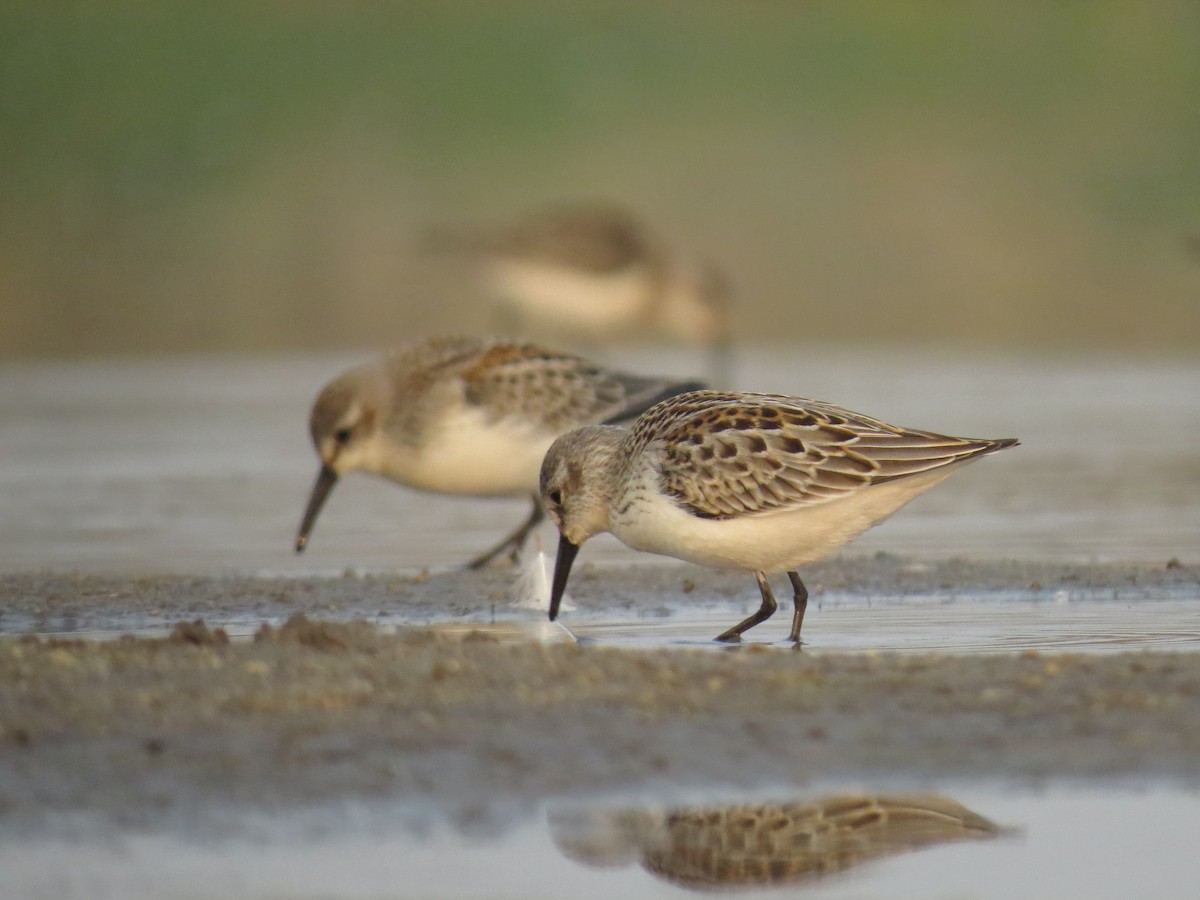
{"x": 1107, "y": 843}
{"x": 201, "y": 465}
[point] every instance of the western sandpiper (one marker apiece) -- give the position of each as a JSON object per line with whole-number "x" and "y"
{"x": 461, "y": 415}
{"x": 758, "y": 482}
{"x": 596, "y": 272}
{"x": 739, "y": 845}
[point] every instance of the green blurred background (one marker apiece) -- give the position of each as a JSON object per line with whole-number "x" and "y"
{"x": 218, "y": 176}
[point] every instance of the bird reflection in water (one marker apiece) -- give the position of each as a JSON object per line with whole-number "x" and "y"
{"x": 766, "y": 843}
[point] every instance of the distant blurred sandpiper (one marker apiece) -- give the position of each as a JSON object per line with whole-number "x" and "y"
{"x": 595, "y": 273}
{"x": 759, "y": 482}
{"x": 461, "y": 415}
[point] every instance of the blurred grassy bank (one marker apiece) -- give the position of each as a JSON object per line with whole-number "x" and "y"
{"x": 231, "y": 176}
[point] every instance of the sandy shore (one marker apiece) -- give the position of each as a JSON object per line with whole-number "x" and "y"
{"x": 56, "y": 601}
{"x": 327, "y": 708}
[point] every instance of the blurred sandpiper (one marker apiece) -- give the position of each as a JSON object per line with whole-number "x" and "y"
{"x": 595, "y": 273}
{"x": 463, "y": 415}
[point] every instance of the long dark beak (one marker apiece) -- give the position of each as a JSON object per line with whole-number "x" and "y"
{"x": 562, "y": 569}
{"x": 326, "y": 479}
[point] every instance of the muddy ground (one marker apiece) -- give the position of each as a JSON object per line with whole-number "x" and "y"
{"x": 56, "y": 601}
{"x": 327, "y": 708}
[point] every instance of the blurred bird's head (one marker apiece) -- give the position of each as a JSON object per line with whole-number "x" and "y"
{"x": 345, "y": 425}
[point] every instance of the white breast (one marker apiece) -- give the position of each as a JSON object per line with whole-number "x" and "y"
{"x": 555, "y": 295}
{"x": 464, "y": 453}
{"x": 773, "y": 542}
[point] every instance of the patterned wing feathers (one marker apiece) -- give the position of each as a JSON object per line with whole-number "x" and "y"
{"x": 558, "y": 390}
{"x": 723, "y": 455}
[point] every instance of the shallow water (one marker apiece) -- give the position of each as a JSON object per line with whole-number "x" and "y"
{"x": 202, "y": 465}
{"x": 998, "y": 622}
{"x": 1060, "y": 842}
{"x": 933, "y": 626}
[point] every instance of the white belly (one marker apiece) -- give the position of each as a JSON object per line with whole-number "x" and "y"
{"x": 561, "y": 297}
{"x": 466, "y": 454}
{"x": 773, "y": 542}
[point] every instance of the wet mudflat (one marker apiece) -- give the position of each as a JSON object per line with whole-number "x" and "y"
{"x": 418, "y": 733}
{"x": 334, "y": 750}
{"x": 438, "y": 719}
{"x": 320, "y": 710}
{"x": 324, "y": 704}
{"x": 648, "y": 588}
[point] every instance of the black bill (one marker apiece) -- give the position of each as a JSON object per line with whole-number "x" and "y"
{"x": 562, "y": 569}
{"x": 326, "y": 479}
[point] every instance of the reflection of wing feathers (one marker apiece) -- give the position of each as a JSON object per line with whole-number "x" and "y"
{"x": 792, "y": 842}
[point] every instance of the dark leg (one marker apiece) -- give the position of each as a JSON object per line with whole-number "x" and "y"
{"x": 515, "y": 541}
{"x": 799, "y": 604}
{"x": 764, "y": 612}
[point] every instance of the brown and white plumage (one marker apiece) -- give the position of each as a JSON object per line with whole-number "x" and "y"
{"x": 589, "y": 238}
{"x": 465, "y": 415}
{"x": 765, "y": 843}
{"x": 725, "y": 455}
{"x": 596, "y": 272}
{"x": 760, "y": 482}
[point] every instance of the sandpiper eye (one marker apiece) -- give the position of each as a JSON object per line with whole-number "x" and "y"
{"x": 556, "y": 497}
{"x": 342, "y": 436}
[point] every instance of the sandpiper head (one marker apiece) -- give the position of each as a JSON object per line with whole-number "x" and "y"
{"x": 345, "y": 417}
{"x": 344, "y": 424}
{"x": 573, "y": 480}
{"x": 574, "y": 488}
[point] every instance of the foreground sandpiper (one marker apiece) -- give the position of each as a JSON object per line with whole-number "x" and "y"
{"x": 463, "y": 415}
{"x": 759, "y": 482}
{"x": 595, "y": 272}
